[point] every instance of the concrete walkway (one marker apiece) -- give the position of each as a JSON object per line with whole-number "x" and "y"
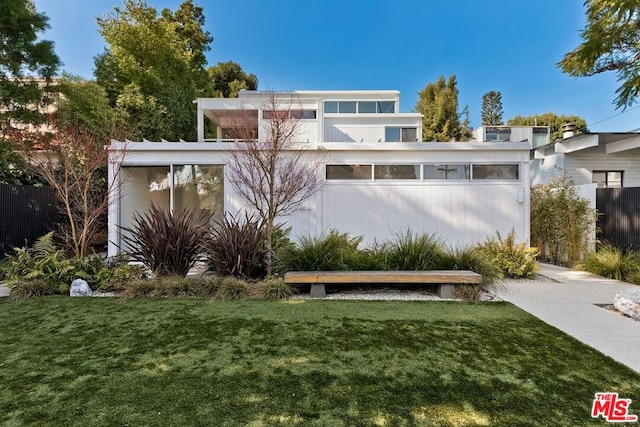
{"x": 569, "y": 304}
{"x": 4, "y": 291}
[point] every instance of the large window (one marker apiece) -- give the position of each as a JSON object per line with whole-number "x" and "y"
{"x": 451, "y": 172}
{"x": 348, "y": 172}
{"x": 360, "y": 107}
{"x": 607, "y": 179}
{"x": 400, "y": 134}
{"x": 199, "y": 188}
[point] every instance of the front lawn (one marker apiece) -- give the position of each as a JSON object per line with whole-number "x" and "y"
{"x": 184, "y": 362}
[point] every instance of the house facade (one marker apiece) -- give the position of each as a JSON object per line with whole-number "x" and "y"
{"x": 607, "y": 159}
{"x": 379, "y": 178}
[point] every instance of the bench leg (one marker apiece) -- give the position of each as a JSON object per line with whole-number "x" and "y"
{"x": 447, "y": 291}
{"x": 317, "y": 291}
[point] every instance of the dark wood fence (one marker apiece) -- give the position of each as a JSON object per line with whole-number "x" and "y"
{"x": 619, "y": 219}
{"x": 26, "y": 213}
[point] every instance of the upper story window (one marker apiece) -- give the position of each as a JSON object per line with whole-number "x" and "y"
{"x": 289, "y": 114}
{"x": 359, "y": 107}
{"x": 494, "y": 133}
{"x": 540, "y": 136}
{"x": 400, "y": 134}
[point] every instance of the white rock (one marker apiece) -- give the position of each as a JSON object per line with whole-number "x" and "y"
{"x": 80, "y": 288}
{"x": 628, "y": 302}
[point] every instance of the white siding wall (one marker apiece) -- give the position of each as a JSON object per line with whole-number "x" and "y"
{"x": 580, "y": 165}
{"x": 356, "y": 128}
{"x": 460, "y": 212}
{"x": 543, "y": 169}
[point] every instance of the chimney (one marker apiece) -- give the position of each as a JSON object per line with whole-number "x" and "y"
{"x": 568, "y": 130}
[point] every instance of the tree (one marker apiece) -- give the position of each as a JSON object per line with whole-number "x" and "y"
{"x": 153, "y": 67}
{"x": 73, "y": 164}
{"x": 491, "y": 111}
{"x": 85, "y": 104}
{"x": 554, "y": 121}
{"x": 23, "y": 56}
{"x": 270, "y": 173}
{"x": 438, "y": 103}
{"x": 610, "y": 42}
{"x": 228, "y": 78}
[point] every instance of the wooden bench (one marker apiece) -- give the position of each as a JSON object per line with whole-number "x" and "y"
{"x": 444, "y": 279}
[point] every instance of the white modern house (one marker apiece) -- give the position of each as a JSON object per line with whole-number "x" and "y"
{"x": 379, "y": 179}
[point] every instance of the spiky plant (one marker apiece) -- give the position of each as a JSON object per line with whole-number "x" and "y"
{"x": 235, "y": 248}
{"x": 166, "y": 243}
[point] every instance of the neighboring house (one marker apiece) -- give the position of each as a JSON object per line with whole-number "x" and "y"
{"x": 608, "y": 159}
{"x": 379, "y": 179}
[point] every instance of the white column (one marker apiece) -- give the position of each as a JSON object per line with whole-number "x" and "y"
{"x": 200, "y": 120}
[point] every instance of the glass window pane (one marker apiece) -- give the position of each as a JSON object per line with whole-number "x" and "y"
{"x": 396, "y": 171}
{"x": 330, "y": 107}
{"x": 386, "y": 107}
{"x": 496, "y": 172}
{"x": 599, "y": 178}
{"x": 141, "y": 186}
{"x": 303, "y": 114}
{"x": 409, "y": 134}
{"x": 347, "y": 106}
{"x": 348, "y": 171}
{"x": 366, "y": 107}
{"x": 392, "y": 134}
{"x": 446, "y": 171}
{"x": 199, "y": 188}
{"x": 614, "y": 179}
{"x": 497, "y": 133}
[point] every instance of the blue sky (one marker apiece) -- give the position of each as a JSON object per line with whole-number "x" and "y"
{"x": 502, "y": 45}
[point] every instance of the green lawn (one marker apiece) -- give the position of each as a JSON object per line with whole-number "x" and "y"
{"x": 183, "y": 362}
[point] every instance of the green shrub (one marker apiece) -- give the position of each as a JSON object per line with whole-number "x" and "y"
{"x": 613, "y": 263}
{"x": 472, "y": 258}
{"x": 117, "y": 271}
{"x": 514, "y": 259}
{"x": 168, "y": 244}
{"x": 170, "y": 286}
{"x": 331, "y": 252}
{"x": 231, "y": 288}
{"x": 41, "y": 262}
{"x": 33, "y": 288}
{"x": 236, "y": 248}
{"x": 561, "y": 221}
{"x": 409, "y": 251}
{"x": 272, "y": 289}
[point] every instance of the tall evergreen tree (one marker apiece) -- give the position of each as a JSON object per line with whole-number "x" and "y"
{"x": 438, "y": 103}
{"x": 491, "y": 111}
{"x": 610, "y": 42}
{"x": 23, "y": 56}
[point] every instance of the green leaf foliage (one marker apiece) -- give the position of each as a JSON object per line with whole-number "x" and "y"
{"x": 513, "y": 259}
{"x": 610, "y": 43}
{"x": 561, "y": 221}
{"x": 614, "y": 263}
{"x": 153, "y": 67}
{"x": 438, "y": 103}
{"x": 228, "y": 78}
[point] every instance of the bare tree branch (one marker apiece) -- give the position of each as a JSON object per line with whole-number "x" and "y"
{"x": 272, "y": 174}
